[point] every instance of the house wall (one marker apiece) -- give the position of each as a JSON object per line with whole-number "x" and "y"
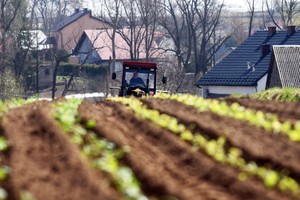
{"x": 45, "y": 76}
{"x": 262, "y": 83}
{"x": 68, "y": 36}
{"x": 86, "y": 55}
{"x": 118, "y": 67}
{"x": 228, "y": 90}
{"x": 83, "y": 48}
{"x": 274, "y": 77}
{"x": 35, "y": 38}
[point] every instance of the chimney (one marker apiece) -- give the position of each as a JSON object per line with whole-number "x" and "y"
{"x": 271, "y": 31}
{"x": 265, "y": 49}
{"x": 76, "y": 10}
{"x": 291, "y": 30}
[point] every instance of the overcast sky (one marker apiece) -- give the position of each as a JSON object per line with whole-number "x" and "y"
{"x": 230, "y": 4}
{"x": 241, "y": 4}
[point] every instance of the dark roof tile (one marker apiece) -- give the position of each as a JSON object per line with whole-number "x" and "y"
{"x": 70, "y": 19}
{"x": 233, "y": 70}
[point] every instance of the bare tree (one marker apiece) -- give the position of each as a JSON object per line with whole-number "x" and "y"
{"x": 174, "y": 23}
{"x": 193, "y": 31}
{"x": 192, "y": 25}
{"x": 209, "y": 13}
{"x": 265, "y": 18}
{"x": 148, "y": 10}
{"x": 114, "y": 14}
{"x": 189, "y": 39}
{"x": 235, "y": 28}
{"x": 50, "y": 12}
{"x": 138, "y": 26}
{"x": 283, "y": 12}
{"x": 8, "y": 15}
{"x": 133, "y": 34}
{"x": 11, "y": 15}
{"x": 251, "y": 10}
{"x": 59, "y": 56}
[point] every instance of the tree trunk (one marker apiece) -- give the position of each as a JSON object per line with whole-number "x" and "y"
{"x": 54, "y": 79}
{"x": 66, "y": 89}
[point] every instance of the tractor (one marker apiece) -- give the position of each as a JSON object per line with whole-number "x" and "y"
{"x": 138, "y": 79}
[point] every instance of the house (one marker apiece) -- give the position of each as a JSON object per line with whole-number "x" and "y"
{"x": 45, "y": 75}
{"x": 95, "y": 47}
{"x": 284, "y": 68}
{"x": 33, "y": 39}
{"x": 246, "y": 69}
{"x": 68, "y": 31}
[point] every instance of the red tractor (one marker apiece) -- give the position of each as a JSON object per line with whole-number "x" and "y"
{"x": 138, "y": 79}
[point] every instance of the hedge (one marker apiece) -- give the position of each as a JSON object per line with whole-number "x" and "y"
{"x": 87, "y": 69}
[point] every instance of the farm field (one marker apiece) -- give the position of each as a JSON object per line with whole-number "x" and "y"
{"x": 169, "y": 147}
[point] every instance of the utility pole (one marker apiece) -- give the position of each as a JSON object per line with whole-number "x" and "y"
{"x": 37, "y": 63}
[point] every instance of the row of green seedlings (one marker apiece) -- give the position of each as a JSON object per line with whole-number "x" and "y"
{"x": 214, "y": 148}
{"x": 268, "y": 121}
{"x": 285, "y": 94}
{"x": 5, "y": 106}
{"x": 102, "y": 154}
{"x": 4, "y": 170}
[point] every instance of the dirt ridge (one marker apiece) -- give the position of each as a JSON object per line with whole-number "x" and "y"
{"x": 44, "y": 161}
{"x": 256, "y": 143}
{"x": 205, "y": 169}
{"x": 49, "y": 166}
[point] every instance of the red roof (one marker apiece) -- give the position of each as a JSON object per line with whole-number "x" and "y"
{"x": 135, "y": 64}
{"x": 101, "y": 40}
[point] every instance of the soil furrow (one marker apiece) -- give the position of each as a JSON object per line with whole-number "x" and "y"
{"x": 157, "y": 172}
{"x": 256, "y": 144}
{"x": 163, "y": 163}
{"x": 44, "y": 162}
{"x": 284, "y": 110}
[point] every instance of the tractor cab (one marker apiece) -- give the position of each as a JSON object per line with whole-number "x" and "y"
{"x": 138, "y": 79}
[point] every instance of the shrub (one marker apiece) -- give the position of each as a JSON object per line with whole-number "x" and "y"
{"x": 88, "y": 69}
{"x": 10, "y": 87}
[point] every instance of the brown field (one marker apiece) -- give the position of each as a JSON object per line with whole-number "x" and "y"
{"x": 47, "y": 165}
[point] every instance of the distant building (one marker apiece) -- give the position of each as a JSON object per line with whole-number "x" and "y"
{"x": 95, "y": 47}
{"x": 284, "y": 68}
{"x": 246, "y": 69}
{"x": 68, "y": 31}
{"x": 33, "y": 39}
{"x": 45, "y": 75}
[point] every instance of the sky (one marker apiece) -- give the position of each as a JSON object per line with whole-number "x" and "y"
{"x": 240, "y": 4}
{"x": 230, "y": 4}
{"x": 235, "y": 4}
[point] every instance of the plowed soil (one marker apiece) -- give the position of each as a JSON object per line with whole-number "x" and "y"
{"x": 46, "y": 164}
